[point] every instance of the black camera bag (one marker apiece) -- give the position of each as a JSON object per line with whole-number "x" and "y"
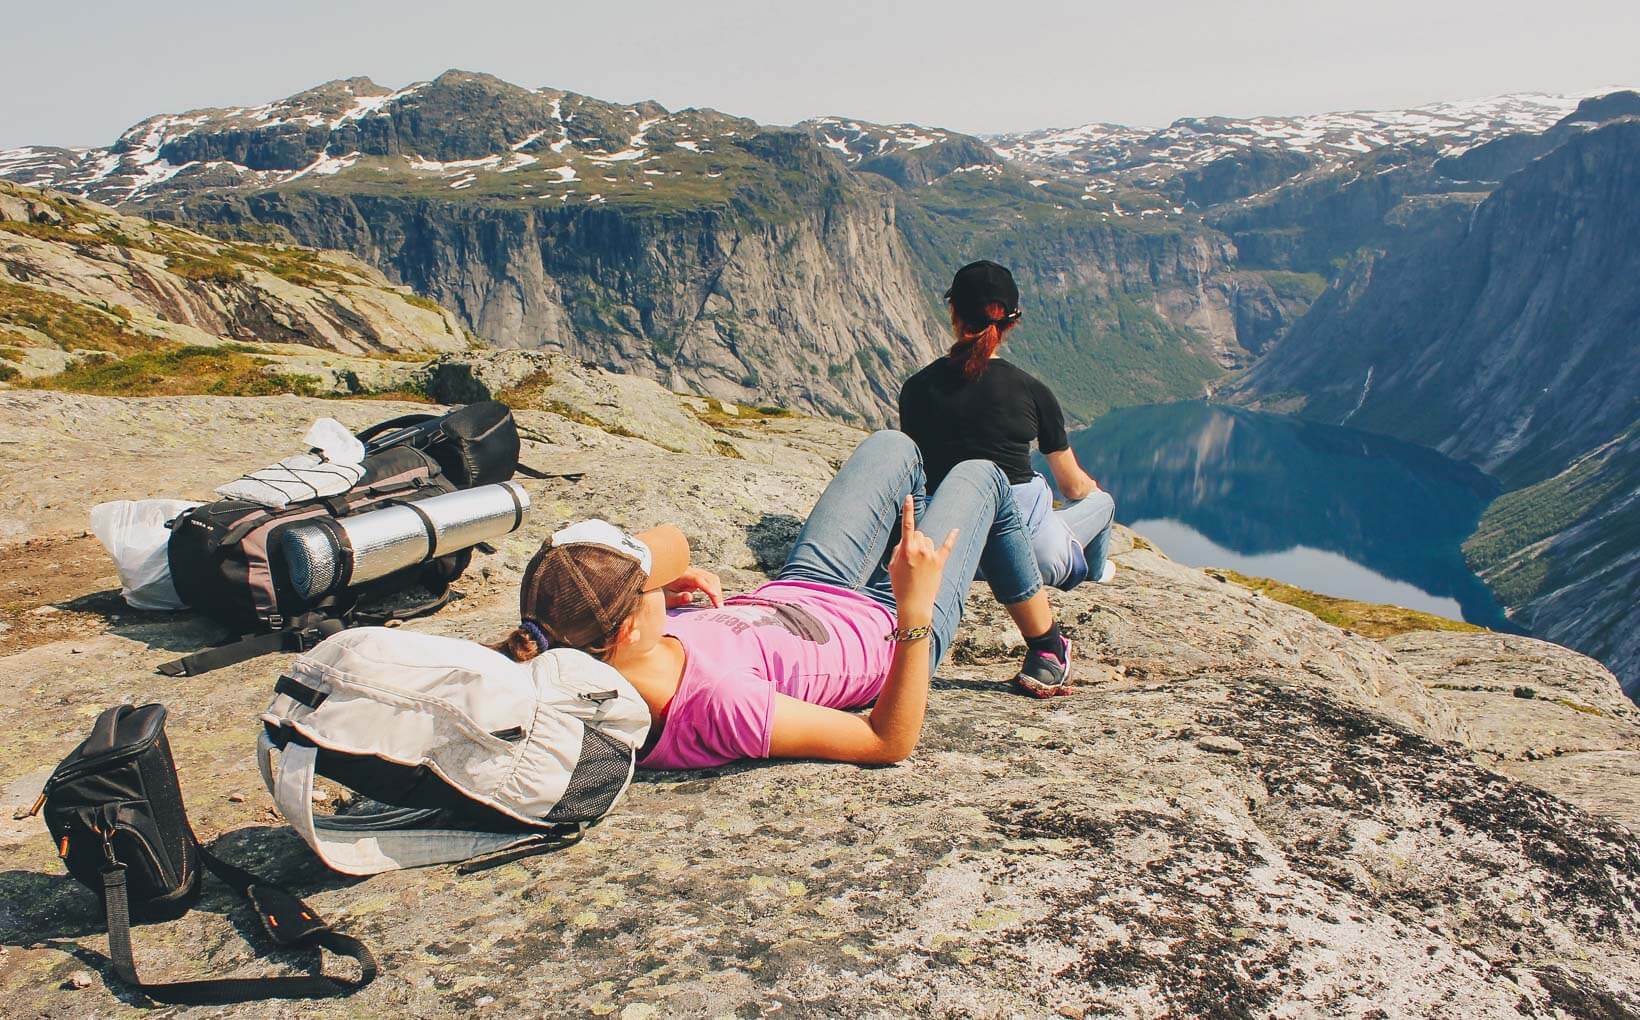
{"x": 475, "y": 445}
{"x": 114, "y": 810}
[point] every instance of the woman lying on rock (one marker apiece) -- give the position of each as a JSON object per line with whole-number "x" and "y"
{"x": 972, "y": 404}
{"x": 772, "y": 674}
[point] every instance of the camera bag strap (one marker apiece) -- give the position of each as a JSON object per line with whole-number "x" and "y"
{"x": 291, "y": 924}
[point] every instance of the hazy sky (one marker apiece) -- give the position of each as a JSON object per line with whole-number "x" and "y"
{"x": 80, "y": 73}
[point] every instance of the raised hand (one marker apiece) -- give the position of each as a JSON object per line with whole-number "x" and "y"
{"x": 916, "y": 567}
{"x": 682, "y": 591}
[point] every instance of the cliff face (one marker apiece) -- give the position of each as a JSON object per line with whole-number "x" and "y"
{"x": 1114, "y": 314}
{"x": 815, "y": 310}
{"x": 1245, "y": 811}
{"x": 1508, "y": 340}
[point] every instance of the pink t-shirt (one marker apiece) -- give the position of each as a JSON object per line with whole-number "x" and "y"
{"x": 814, "y": 642}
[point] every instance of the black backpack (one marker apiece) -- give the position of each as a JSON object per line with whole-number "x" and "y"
{"x": 225, "y": 556}
{"x": 114, "y": 810}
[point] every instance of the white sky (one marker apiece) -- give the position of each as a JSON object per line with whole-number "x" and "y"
{"x": 80, "y": 73}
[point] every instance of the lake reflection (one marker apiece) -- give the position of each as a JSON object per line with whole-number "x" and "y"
{"x": 1332, "y": 510}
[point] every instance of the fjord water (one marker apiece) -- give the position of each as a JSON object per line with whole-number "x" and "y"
{"x": 1329, "y": 509}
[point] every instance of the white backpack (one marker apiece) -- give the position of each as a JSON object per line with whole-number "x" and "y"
{"x": 474, "y": 753}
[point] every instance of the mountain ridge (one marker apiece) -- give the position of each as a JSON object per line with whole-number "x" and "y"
{"x": 667, "y": 243}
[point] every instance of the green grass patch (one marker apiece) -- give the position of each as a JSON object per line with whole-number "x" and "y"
{"x": 204, "y": 269}
{"x": 71, "y": 325}
{"x": 422, "y": 302}
{"x": 530, "y": 394}
{"x": 743, "y": 414}
{"x": 1579, "y": 707}
{"x": 178, "y": 370}
{"x": 409, "y": 394}
{"x": 527, "y": 392}
{"x": 1368, "y": 618}
{"x": 301, "y": 266}
{"x": 580, "y": 417}
{"x": 8, "y": 373}
{"x": 49, "y": 232}
{"x": 1295, "y": 288}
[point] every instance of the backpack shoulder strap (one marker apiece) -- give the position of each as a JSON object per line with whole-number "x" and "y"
{"x": 290, "y": 922}
{"x": 302, "y": 634}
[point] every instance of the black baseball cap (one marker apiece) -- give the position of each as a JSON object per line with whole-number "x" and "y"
{"x": 978, "y": 284}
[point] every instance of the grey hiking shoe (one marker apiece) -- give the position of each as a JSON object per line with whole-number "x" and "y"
{"x": 1046, "y": 675}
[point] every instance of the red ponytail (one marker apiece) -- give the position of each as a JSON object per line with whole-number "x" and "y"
{"x": 974, "y": 347}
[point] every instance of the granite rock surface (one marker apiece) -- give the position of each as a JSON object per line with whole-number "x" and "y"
{"x": 1244, "y": 813}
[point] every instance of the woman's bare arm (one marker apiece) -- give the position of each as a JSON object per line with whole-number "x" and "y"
{"x": 1073, "y": 482}
{"x": 891, "y": 730}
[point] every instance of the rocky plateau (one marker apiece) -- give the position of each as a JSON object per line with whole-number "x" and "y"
{"x": 1245, "y": 812}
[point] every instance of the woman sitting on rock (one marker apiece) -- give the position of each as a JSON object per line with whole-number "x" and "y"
{"x": 972, "y": 404}
{"x": 771, "y": 674}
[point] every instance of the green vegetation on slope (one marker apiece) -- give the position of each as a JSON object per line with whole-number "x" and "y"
{"x": 71, "y": 325}
{"x": 1368, "y": 618}
{"x": 1100, "y": 348}
{"x": 1502, "y": 548}
{"x": 1295, "y": 288}
{"x": 177, "y": 370}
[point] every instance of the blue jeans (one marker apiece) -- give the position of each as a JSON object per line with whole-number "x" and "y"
{"x": 1071, "y": 542}
{"x": 854, "y": 527}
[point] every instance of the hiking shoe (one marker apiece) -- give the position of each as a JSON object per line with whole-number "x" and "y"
{"x": 1046, "y": 675}
{"x": 1108, "y": 572}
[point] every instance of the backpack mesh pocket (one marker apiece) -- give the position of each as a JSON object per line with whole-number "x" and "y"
{"x": 599, "y": 776}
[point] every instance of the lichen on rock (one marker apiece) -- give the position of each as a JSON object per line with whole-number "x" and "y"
{"x": 1253, "y": 814}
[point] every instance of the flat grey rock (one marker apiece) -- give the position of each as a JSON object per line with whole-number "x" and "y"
{"x": 1363, "y": 854}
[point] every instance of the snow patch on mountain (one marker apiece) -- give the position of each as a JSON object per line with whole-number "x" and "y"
{"x": 855, "y": 140}
{"x": 1327, "y": 138}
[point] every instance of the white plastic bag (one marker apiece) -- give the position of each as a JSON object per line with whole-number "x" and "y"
{"x": 135, "y": 535}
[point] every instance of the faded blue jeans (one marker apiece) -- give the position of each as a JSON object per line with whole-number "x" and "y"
{"x": 1071, "y": 542}
{"x": 853, "y": 529}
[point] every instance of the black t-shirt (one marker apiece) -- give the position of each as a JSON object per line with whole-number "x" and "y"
{"x": 995, "y": 417}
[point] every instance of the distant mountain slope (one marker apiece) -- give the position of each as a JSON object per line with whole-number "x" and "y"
{"x": 1494, "y": 160}
{"x": 79, "y": 281}
{"x": 1509, "y": 338}
{"x": 800, "y": 266}
{"x": 1297, "y": 194}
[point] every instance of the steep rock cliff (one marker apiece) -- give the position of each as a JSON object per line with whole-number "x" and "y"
{"x": 697, "y": 248}
{"x": 1508, "y": 339}
{"x": 801, "y": 296}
